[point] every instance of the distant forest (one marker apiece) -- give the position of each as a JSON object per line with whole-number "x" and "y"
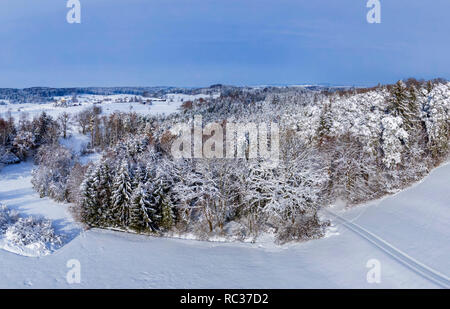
{"x": 47, "y": 94}
{"x": 44, "y": 94}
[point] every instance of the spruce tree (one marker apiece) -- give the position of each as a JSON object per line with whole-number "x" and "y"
{"x": 404, "y": 104}
{"x": 167, "y": 215}
{"x": 142, "y": 210}
{"x": 140, "y": 175}
{"x": 104, "y": 191}
{"x": 89, "y": 202}
{"x": 325, "y": 124}
{"x": 121, "y": 195}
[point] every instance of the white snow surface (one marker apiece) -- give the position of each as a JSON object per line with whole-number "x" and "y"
{"x": 108, "y": 104}
{"x": 415, "y": 222}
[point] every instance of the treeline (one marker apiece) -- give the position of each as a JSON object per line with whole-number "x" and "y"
{"x": 45, "y": 94}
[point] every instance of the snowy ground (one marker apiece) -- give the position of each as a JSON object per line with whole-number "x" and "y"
{"x": 172, "y": 104}
{"x": 415, "y": 223}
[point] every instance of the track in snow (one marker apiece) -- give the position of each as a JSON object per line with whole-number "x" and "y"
{"x": 424, "y": 271}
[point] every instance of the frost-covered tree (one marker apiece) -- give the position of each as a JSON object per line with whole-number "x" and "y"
{"x": 436, "y": 117}
{"x": 23, "y": 142}
{"x": 255, "y": 195}
{"x": 54, "y": 166}
{"x": 394, "y": 137}
{"x": 63, "y": 120}
{"x": 296, "y": 185}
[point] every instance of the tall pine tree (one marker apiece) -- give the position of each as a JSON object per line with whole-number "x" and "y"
{"x": 142, "y": 213}
{"x": 121, "y": 195}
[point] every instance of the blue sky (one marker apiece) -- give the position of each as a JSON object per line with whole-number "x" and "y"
{"x": 240, "y": 42}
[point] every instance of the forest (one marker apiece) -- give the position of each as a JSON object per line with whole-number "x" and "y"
{"x": 352, "y": 145}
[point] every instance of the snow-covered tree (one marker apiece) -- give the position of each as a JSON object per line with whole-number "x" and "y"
{"x": 404, "y": 104}
{"x": 167, "y": 217}
{"x": 436, "y": 117}
{"x": 394, "y": 137}
{"x": 54, "y": 166}
{"x": 121, "y": 193}
{"x": 89, "y": 199}
{"x": 142, "y": 210}
{"x": 23, "y": 142}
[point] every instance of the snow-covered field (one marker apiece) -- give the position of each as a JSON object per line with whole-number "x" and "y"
{"x": 413, "y": 223}
{"x": 109, "y": 105}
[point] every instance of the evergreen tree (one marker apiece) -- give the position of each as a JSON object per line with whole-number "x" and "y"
{"x": 89, "y": 203}
{"x": 167, "y": 215}
{"x": 404, "y": 104}
{"x": 413, "y": 107}
{"x": 142, "y": 211}
{"x": 121, "y": 195}
{"x": 140, "y": 175}
{"x": 104, "y": 187}
{"x": 325, "y": 123}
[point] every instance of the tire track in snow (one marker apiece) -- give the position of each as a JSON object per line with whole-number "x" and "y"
{"x": 417, "y": 267}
